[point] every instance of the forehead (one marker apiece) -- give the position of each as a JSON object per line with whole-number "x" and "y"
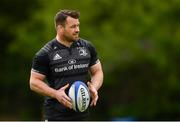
{"x": 72, "y": 21}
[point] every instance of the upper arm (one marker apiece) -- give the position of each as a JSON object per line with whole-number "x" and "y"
{"x": 36, "y": 76}
{"x": 35, "y": 79}
{"x": 40, "y": 67}
{"x": 94, "y": 57}
{"x": 96, "y": 68}
{"x": 40, "y": 63}
{"x": 96, "y": 75}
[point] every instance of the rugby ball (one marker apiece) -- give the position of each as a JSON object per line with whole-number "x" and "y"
{"x": 80, "y": 96}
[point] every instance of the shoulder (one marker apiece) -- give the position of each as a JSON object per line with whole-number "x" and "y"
{"x": 47, "y": 48}
{"x": 85, "y": 43}
{"x": 88, "y": 45}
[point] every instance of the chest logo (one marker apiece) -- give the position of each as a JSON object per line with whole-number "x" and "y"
{"x": 57, "y": 57}
{"x": 82, "y": 52}
{"x": 55, "y": 48}
{"x": 72, "y": 61}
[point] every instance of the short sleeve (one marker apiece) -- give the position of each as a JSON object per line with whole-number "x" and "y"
{"x": 94, "y": 57}
{"x": 40, "y": 64}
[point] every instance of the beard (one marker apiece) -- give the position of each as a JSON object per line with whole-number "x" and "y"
{"x": 72, "y": 38}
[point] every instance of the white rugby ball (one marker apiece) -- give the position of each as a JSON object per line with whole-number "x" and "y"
{"x": 80, "y": 96}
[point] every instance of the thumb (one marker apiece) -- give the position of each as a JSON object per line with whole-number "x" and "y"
{"x": 65, "y": 87}
{"x": 89, "y": 84}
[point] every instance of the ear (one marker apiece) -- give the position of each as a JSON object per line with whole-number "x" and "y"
{"x": 60, "y": 28}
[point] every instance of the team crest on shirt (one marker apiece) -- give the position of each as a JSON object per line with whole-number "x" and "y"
{"x": 82, "y": 52}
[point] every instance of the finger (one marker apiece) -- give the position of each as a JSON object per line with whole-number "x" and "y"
{"x": 89, "y": 84}
{"x": 65, "y": 87}
{"x": 67, "y": 98}
{"x": 66, "y": 103}
{"x": 93, "y": 93}
{"x": 63, "y": 102}
{"x": 93, "y": 103}
{"x": 94, "y": 100}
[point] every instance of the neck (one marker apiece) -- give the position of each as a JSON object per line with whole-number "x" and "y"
{"x": 63, "y": 41}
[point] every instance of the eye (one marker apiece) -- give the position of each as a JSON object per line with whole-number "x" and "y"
{"x": 74, "y": 26}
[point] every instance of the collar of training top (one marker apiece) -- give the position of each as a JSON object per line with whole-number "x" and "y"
{"x": 74, "y": 44}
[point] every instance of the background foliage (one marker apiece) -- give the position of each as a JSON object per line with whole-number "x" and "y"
{"x": 137, "y": 42}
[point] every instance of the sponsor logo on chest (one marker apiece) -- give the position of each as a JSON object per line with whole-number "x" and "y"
{"x": 67, "y": 62}
{"x": 71, "y": 61}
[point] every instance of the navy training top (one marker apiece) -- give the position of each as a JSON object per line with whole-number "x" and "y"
{"x": 62, "y": 65}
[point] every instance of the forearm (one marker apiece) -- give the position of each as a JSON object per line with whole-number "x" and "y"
{"x": 42, "y": 88}
{"x": 97, "y": 79}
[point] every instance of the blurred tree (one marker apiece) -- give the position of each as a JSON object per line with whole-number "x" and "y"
{"x": 14, "y": 104}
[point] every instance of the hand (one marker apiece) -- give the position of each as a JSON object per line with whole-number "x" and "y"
{"x": 94, "y": 94}
{"x": 61, "y": 96}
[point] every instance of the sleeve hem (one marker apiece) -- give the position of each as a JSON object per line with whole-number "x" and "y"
{"x": 37, "y": 71}
{"x": 97, "y": 61}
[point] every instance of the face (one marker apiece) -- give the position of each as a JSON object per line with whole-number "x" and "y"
{"x": 70, "y": 32}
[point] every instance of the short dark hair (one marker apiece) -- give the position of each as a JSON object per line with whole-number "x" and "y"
{"x": 61, "y": 16}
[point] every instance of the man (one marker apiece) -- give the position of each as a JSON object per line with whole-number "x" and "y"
{"x": 62, "y": 61}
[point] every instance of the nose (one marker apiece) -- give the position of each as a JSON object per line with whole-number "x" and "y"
{"x": 77, "y": 29}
